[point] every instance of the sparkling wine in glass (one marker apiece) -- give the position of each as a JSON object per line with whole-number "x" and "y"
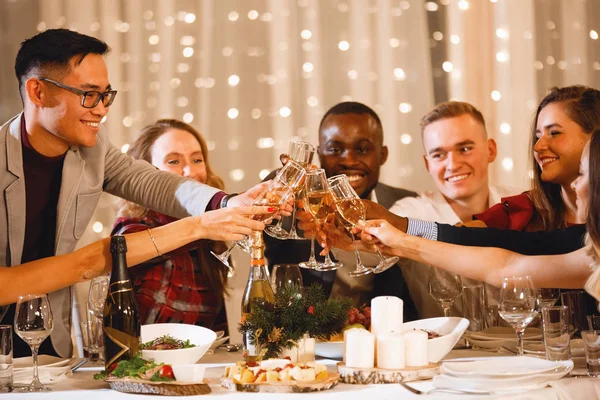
{"x": 350, "y": 207}
{"x": 288, "y": 179}
{"x": 517, "y": 304}
{"x": 302, "y": 153}
{"x": 33, "y": 324}
{"x": 445, "y": 287}
{"x": 319, "y": 203}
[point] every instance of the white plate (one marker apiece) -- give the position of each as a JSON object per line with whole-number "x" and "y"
{"x": 502, "y": 367}
{"x": 333, "y": 350}
{"x": 504, "y": 333}
{"x": 43, "y": 361}
{"x": 516, "y": 383}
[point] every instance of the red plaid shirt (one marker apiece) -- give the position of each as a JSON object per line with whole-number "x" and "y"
{"x": 173, "y": 287}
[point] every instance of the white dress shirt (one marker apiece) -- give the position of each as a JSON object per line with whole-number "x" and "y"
{"x": 432, "y": 206}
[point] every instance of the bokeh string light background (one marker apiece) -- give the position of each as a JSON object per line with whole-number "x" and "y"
{"x": 253, "y": 74}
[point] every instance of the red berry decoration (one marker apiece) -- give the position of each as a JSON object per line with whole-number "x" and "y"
{"x": 311, "y": 310}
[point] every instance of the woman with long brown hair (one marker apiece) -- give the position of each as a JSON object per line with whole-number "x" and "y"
{"x": 186, "y": 285}
{"x": 563, "y": 124}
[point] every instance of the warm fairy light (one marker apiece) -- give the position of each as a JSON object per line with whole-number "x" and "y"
{"x": 252, "y": 15}
{"x": 405, "y": 138}
{"x": 405, "y": 108}
{"x": 97, "y": 227}
{"x": 307, "y": 67}
{"x": 263, "y": 174}
{"x": 306, "y": 34}
{"x": 312, "y": 101}
{"x": 125, "y": 148}
{"x": 399, "y": 74}
{"x": 343, "y": 45}
{"x": 438, "y": 36}
{"x": 236, "y": 175}
{"x": 502, "y": 33}
{"x": 594, "y": 34}
{"x": 505, "y": 128}
{"x": 233, "y": 16}
{"x": 502, "y": 56}
{"x": 233, "y": 113}
{"x": 352, "y": 74}
{"x": 233, "y": 80}
{"x": 265, "y": 143}
{"x": 255, "y": 113}
{"x": 454, "y": 39}
{"x": 431, "y": 6}
{"x": 538, "y": 65}
{"x": 187, "y": 40}
{"x": 188, "y": 117}
{"x": 189, "y": 18}
{"x": 394, "y": 42}
{"x": 153, "y": 39}
{"x": 496, "y": 95}
{"x": 463, "y": 5}
{"x": 285, "y": 112}
{"x": 182, "y": 101}
{"x": 127, "y": 121}
{"x": 188, "y": 52}
{"x": 447, "y": 66}
{"x": 507, "y": 164}
{"x": 169, "y": 21}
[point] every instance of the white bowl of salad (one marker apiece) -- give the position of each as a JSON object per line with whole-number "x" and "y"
{"x": 175, "y": 343}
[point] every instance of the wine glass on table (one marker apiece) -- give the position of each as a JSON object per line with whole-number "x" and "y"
{"x": 350, "y": 207}
{"x": 302, "y": 153}
{"x": 280, "y": 190}
{"x": 444, "y": 287}
{"x": 517, "y": 304}
{"x": 284, "y": 275}
{"x": 319, "y": 203}
{"x": 33, "y": 324}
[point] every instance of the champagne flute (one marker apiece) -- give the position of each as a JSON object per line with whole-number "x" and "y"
{"x": 517, "y": 304}
{"x": 320, "y": 203}
{"x": 360, "y": 269}
{"x": 289, "y": 177}
{"x": 351, "y": 208}
{"x": 302, "y": 153}
{"x": 444, "y": 287}
{"x": 33, "y": 324}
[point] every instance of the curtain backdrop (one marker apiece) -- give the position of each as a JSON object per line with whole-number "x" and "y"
{"x": 253, "y": 74}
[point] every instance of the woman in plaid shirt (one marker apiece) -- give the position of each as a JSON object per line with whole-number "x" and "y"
{"x": 186, "y": 285}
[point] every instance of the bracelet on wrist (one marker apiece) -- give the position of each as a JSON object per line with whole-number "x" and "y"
{"x": 226, "y": 199}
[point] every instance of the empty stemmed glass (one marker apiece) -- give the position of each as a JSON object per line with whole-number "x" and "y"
{"x": 350, "y": 207}
{"x": 319, "y": 202}
{"x": 281, "y": 188}
{"x": 302, "y": 153}
{"x": 33, "y": 324}
{"x": 546, "y": 297}
{"x": 97, "y": 295}
{"x": 445, "y": 287}
{"x": 517, "y": 304}
{"x": 285, "y": 274}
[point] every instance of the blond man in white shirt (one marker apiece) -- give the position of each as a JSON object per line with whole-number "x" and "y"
{"x": 457, "y": 155}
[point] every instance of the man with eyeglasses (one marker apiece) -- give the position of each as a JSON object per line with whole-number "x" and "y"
{"x": 56, "y": 160}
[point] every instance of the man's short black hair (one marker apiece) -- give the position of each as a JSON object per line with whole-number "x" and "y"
{"x": 352, "y": 107}
{"x": 51, "y": 51}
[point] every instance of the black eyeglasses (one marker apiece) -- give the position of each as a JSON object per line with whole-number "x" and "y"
{"x": 90, "y": 98}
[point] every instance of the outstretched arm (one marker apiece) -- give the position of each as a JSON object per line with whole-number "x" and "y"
{"x": 483, "y": 263}
{"x": 53, "y": 273}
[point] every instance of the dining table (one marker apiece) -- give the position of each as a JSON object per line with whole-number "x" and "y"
{"x": 80, "y": 384}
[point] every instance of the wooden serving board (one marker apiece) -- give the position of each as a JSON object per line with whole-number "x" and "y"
{"x": 161, "y": 388}
{"x": 365, "y": 376}
{"x": 282, "y": 387}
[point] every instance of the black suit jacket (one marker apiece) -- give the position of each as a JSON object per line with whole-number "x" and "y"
{"x": 388, "y": 283}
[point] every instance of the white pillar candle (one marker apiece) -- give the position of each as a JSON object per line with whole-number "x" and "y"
{"x": 386, "y": 315}
{"x": 415, "y": 348}
{"x": 360, "y": 348}
{"x": 390, "y": 350}
{"x": 306, "y": 349}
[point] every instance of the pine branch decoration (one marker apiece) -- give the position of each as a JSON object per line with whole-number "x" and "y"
{"x": 282, "y": 324}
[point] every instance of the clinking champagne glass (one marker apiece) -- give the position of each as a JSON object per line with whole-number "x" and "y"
{"x": 517, "y": 304}
{"x": 320, "y": 203}
{"x": 302, "y": 153}
{"x": 351, "y": 208}
{"x": 289, "y": 177}
{"x": 445, "y": 287}
{"x": 33, "y": 324}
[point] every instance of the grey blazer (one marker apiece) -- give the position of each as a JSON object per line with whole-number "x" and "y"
{"x": 87, "y": 172}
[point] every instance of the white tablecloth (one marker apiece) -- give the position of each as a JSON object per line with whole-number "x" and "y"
{"x": 82, "y": 386}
